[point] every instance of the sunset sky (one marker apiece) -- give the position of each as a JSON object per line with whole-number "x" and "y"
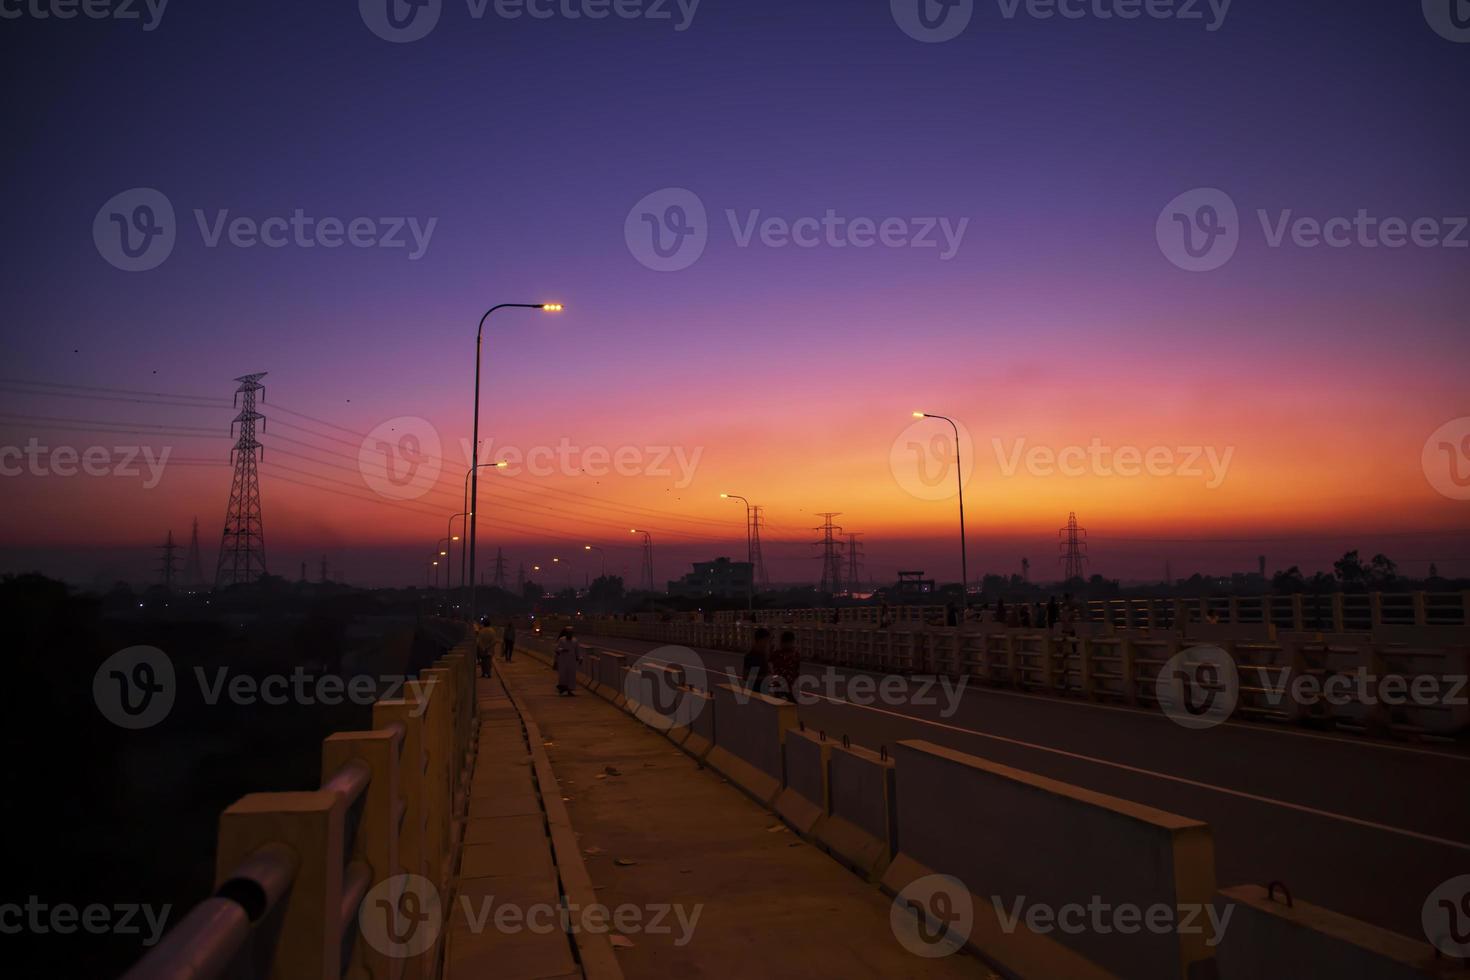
{"x": 786, "y": 374}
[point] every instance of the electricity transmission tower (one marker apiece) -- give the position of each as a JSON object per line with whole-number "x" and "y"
{"x": 167, "y": 561}
{"x": 831, "y": 554}
{"x": 499, "y": 580}
{"x": 1026, "y": 570}
{"x": 242, "y": 548}
{"x": 762, "y": 580}
{"x": 854, "y": 559}
{"x": 1073, "y": 546}
{"x": 193, "y": 564}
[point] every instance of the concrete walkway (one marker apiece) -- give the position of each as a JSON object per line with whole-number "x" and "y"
{"x": 506, "y": 860}
{"x": 656, "y": 830}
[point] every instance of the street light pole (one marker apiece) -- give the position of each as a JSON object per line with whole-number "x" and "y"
{"x": 960, "y": 480}
{"x": 474, "y": 504}
{"x": 464, "y": 542}
{"x": 647, "y": 556}
{"x": 449, "y": 561}
{"x": 600, "y": 553}
{"x": 749, "y": 549}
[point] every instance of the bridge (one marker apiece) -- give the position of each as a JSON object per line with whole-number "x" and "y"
{"x": 1017, "y": 801}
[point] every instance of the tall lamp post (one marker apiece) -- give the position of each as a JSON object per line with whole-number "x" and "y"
{"x": 474, "y": 504}
{"x": 960, "y": 480}
{"x": 464, "y": 544}
{"x": 600, "y": 553}
{"x": 749, "y": 551}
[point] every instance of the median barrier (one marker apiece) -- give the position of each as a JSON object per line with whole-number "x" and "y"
{"x": 610, "y": 676}
{"x": 1023, "y": 844}
{"x": 694, "y": 732}
{"x": 660, "y": 701}
{"x": 749, "y": 731}
{"x": 860, "y": 830}
{"x": 803, "y": 800}
{"x": 1271, "y": 935}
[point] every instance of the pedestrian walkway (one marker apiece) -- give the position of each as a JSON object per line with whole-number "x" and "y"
{"x": 707, "y": 882}
{"x": 508, "y": 862}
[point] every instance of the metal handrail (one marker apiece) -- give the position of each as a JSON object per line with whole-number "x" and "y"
{"x": 213, "y": 934}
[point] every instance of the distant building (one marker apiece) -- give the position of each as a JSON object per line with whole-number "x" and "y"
{"x": 913, "y": 583}
{"x": 721, "y": 578}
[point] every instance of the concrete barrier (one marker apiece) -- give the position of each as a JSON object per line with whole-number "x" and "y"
{"x": 610, "y": 675}
{"x": 1023, "y": 844}
{"x": 860, "y": 830}
{"x": 590, "y": 669}
{"x": 696, "y": 735}
{"x": 749, "y": 731}
{"x": 660, "y": 696}
{"x": 1268, "y": 937}
{"x": 803, "y": 801}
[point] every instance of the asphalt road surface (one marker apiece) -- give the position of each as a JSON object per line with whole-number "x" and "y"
{"x": 1360, "y": 826}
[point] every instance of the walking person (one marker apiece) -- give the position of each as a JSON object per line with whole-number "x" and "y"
{"x": 568, "y": 656}
{"x": 508, "y": 640}
{"x": 484, "y": 644}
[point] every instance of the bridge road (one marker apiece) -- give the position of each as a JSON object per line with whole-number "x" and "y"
{"x": 1364, "y": 827}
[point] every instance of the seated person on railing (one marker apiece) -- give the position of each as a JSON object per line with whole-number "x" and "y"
{"x": 757, "y": 664}
{"x": 785, "y": 667}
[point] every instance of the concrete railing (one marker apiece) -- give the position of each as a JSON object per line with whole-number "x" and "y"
{"x": 1333, "y": 612}
{"x": 293, "y": 869}
{"x": 1122, "y": 666}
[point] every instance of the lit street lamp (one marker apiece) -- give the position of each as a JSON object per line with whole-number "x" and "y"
{"x": 474, "y": 504}
{"x": 600, "y": 553}
{"x": 960, "y": 479}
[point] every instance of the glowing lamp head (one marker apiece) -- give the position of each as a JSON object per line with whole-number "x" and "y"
{"x": 551, "y": 307}
{"x": 918, "y": 415}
